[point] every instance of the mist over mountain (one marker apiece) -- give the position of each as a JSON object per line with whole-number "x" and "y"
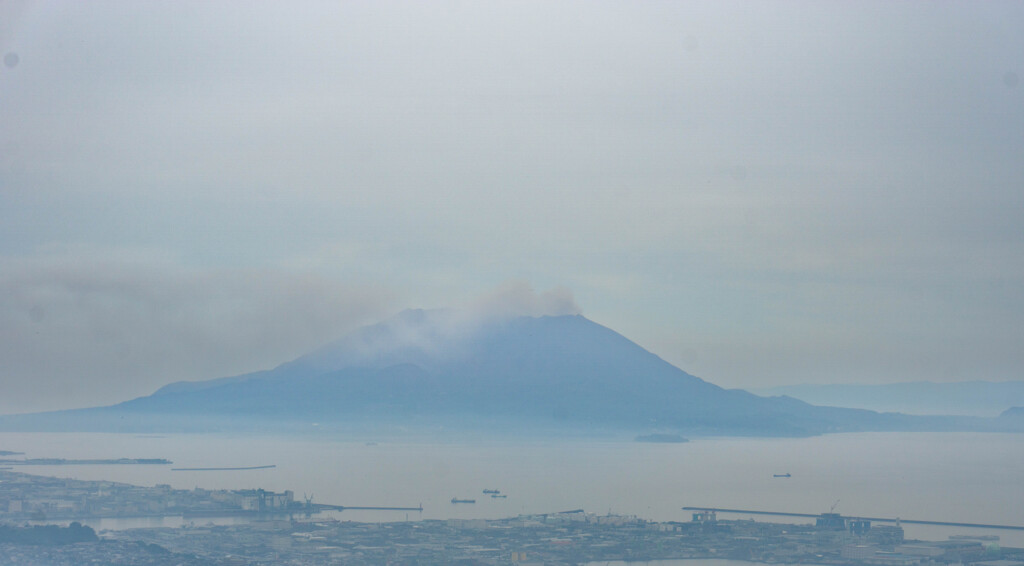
{"x": 451, "y": 369}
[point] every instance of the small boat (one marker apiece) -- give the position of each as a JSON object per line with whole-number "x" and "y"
{"x": 785, "y": 475}
{"x": 457, "y": 500}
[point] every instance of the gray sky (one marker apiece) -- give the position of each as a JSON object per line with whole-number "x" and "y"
{"x": 763, "y": 193}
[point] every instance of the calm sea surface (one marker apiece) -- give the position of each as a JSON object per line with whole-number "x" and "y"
{"x": 683, "y": 562}
{"x": 972, "y": 478}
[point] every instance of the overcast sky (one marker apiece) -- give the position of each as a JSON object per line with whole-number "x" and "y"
{"x": 763, "y": 193}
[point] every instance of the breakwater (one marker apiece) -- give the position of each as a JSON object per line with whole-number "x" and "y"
{"x": 223, "y": 469}
{"x": 860, "y": 518}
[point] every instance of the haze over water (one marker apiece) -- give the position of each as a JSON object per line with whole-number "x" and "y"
{"x": 956, "y": 477}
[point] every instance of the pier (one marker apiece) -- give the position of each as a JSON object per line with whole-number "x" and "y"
{"x": 860, "y": 518}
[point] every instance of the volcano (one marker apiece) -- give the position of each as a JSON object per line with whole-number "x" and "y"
{"x": 443, "y": 368}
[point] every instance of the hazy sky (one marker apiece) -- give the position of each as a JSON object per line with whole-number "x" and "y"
{"x": 763, "y": 193}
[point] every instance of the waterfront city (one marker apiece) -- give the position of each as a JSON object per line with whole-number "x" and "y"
{"x": 281, "y": 530}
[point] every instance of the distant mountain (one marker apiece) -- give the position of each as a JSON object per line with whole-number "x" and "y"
{"x": 1012, "y": 417}
{"x": 441, "y": 369}
{"x": 976, "y": 398}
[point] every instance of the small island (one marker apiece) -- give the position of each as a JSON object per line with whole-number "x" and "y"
{"x": 64, "y": 462}
{"x": 661, "y": 437}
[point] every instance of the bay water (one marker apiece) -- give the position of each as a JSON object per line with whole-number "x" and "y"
{"x": 954, "y": 477}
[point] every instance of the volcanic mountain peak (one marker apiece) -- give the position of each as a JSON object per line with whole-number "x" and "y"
{"x": 481, "y": 363}
{"x": 450, "y": 367}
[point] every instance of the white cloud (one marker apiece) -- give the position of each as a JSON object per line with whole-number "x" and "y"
{"x": 749, "y": 175}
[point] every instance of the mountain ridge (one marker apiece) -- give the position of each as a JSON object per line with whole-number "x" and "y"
{"x": 446, "y": 367}
{"x": 969, "y": 398}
